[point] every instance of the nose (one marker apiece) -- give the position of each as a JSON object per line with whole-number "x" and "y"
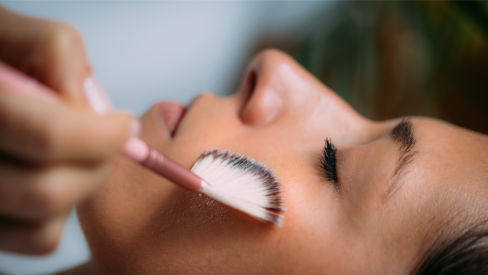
{"x": 276, "y": 88}
{"x": 263, "y": 90}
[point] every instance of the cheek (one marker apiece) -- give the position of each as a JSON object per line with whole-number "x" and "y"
{"x": 313, "y": 222}
{"x": 138, "y": 217}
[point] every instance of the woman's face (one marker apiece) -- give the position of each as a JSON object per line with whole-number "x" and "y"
{"x": 385, "y": 209}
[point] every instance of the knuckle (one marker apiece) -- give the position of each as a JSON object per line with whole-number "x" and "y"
{"x": 48, "y": 139}
{"x": 45, "y": 238}
{"x": 48, "y": 195}
{"x": 63, "y": 35}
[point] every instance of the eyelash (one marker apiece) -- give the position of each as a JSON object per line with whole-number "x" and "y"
{"x": 328, "y": 161}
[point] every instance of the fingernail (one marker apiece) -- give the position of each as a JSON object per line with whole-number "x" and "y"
{"x": 96, "y": 96}
{"x": 136, "y": 149}
{"x": 135, "y": 128}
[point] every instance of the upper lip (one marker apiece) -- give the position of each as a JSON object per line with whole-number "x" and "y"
{"x": 172, "y": 114}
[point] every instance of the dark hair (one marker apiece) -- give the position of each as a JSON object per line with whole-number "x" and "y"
{"x": 465, "y": 253}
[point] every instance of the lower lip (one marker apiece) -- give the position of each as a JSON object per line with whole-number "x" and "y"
{"x": 171, "y": 114}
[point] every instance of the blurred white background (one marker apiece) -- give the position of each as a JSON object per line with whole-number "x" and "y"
{"x": 143, "y": 52}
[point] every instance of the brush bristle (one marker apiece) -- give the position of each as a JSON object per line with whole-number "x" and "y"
{"x": 242, "y": 183}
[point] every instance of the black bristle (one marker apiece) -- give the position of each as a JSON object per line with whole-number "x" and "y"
{"x": 275, "y": 219}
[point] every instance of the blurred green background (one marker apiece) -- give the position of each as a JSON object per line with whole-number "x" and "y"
{"x": 391, "y": 59}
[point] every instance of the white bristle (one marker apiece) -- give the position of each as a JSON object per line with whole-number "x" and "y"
{"x": 242, "y": 183}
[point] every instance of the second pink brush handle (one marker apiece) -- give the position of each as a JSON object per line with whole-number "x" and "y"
{"x": 14, "y": 81}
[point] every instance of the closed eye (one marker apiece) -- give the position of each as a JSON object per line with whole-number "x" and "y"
{"x": 328, "y": 161}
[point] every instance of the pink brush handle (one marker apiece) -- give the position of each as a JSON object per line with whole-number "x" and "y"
{"x": 12, "y": 80}
{"x": 164, "y": 166}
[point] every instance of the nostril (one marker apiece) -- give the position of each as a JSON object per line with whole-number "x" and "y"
{"x": 249, "y": 86}
{"x": 261, "y": 101}
{"x": 251, "y": 81}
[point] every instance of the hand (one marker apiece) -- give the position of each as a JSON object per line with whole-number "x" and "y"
{"x": 53, "y": 154}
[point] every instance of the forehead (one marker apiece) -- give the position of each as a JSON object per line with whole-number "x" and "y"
{"x": 447, "y": 184}
{"x": 451, "y": 149}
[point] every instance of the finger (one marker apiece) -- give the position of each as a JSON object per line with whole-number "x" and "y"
{"x": 51, "y": 52}
{"x": 66, "y": 67}
{"x": 38, "y": 131}
{"x": 36, "y": 195}
{"x": 34, "y": 239}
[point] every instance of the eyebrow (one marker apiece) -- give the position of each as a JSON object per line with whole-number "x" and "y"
{"x": 403, "y": 136}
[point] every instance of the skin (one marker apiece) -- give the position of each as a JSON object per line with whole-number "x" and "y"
{"x": 139, "y": 223}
